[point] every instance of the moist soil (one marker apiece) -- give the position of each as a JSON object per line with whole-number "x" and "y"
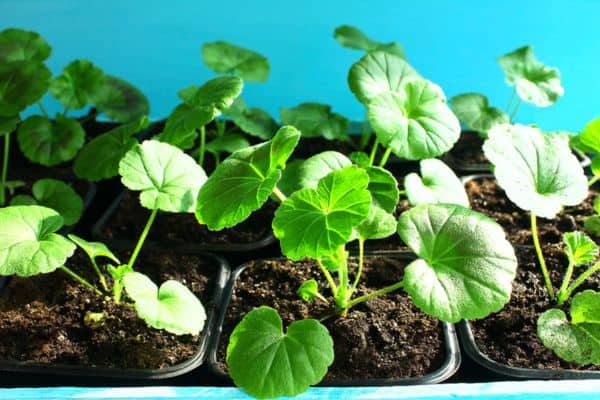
{"x": 486, "y": 196}
{"x": 386, "y": 337}
{"x": 467, "y": 153}
{"x": 509, "y": 336}
{"x": 41, "y": 318}
{"x": 183, "y": 229}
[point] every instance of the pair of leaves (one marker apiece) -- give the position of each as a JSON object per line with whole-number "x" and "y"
{"x": 351, "y": 37}
{"x": 316, "y": 120}
{"x": 227, "y": 58}
{"x": 437, "y": 184}
{"x": 253, "y": 121}
{"x": 538, "y": 172}
{"x": 473, "y": 110}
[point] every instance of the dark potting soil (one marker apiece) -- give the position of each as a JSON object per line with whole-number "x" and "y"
{"x": 467, "y": 152}
{"x": 509, "y": 336}
{"x": 130, "y": 217}
{"x": 488, "y": 198}
{"x": 308, "y": 147}
{"x": 41, "y": 318}
{"x": 386, "y": 337}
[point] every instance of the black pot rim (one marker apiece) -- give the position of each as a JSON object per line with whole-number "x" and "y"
{"x": 136, "y": 373}
{"x": 449, "y": 367}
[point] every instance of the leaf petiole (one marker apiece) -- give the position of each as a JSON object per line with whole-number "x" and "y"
{"x": 361, "y": 256}
{"x": 593, "y": 180}
{"x": 514, "y": 112}
{"x": 43, "y": 109}
{"x": 201, "y": 150}
{"x": 380, "y": 292}
{"x": 512, "y": 97}
{"x": 540, "y": 255}
{"x": 279, "y": 194}
{"x": 366, "y": 132}
{"x": 580, "y": 279}
{"x": 142, "y": 238}
{"x": 373, "y": 152}
{"x": 385, "y": 157}
{"x": 330, "y": 281}
{"x": 81, "y": 280}
{"x": 4, "y": 168}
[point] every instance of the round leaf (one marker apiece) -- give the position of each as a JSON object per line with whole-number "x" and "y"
{"x": 314, "y": 223}
{"x": 353, "y": 38}
{"x": 437, "y": 184}
{"x": 28, "y": 244}
{"x": 168, "y": 178}
{"x": 318, "y": 166}
{"x": 383, "y": 188}
{"x": 228, "y": 143}
{"x": 48, "y": 143}
{"x": 22, "y": 45}
{"x": 8, "y": 124}
{"x": 226, "y": 58}
{"x": 23, "y": 200}
{"x": 473, "y": 110}
{"x": 466, "y": 265}
{"x": 215, "y": 96}
{"x": 121, "y": 101}
{"x": 316, "y": 120}
{"x": 579, "y": 248}
{"x": 414, "y": 122}
{"x": 22, "y": 83}
{"x": 60, "y": 197}
{"x": 79, "y": 84}
{"x": 538, "y": 172}
{"x": 379, "y": 224}
{"x": 267, "y": 362}
{"x": 253, "y": 121}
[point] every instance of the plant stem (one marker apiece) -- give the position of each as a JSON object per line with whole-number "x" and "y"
{"x": 142, "y": 238}
{"x": 514, "y": 113}
{"x": 565, "y": 283}
{"x": 512, "y": 97}
{"x": 373, "y": 152}
{"x": 384, "y": 158}
{"x": 341, "y": 299}
{"x": 4, "y": 168}
{"x": 81, "y": 280}
{"x": 538, "y": 250}
{"x": 402, "y": 192}
{"x": 221, "y": 124}
{"x": 329, "y": 278}
{"x": 376, "y": 293}
{"x": 217, "y": 159}
{"x": 41, "y": 106}
{"x": 366, "y": 132}
{"x": 279, "y": 194}
{"x": 361, "y": 256}
{"x": 593, "y": 180}
{"x": 202, "y": 145}
{"x": 100, "y": 275}
{"x": 580, "y": 279}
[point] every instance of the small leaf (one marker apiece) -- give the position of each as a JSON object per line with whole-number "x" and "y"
{"x": 181, "y": 127}
{"x": 121, "y": 101}
{"x": 590, "y": 136}
{"x": 50, "y": 143}
{"x": 379, "y": 224}
{"x": 383, "y": 188}
{"x": 172, "y": 307}
{"x": 579, "y": 248}
{"x": 332, "y": 262}
{"x": 316, "y": 120}
{"x": 308, "y": 290}
{"x": 473, "y": 110}
{"x": 226, "y": 58}
{"x": 243, "y": 182}
{"x": 22, "y": 45}
{"x": 22, "y": 83}
{"x": 215, "y": 96}
{"x": 360, "y": 158}
{"x": 23, "y": 200}
{"x": 267, "y": 362}
{"x": 253, "y": 121}
{"x": 538, "y": 172}
{"x": 79, "y": 84}
{"x": 113, "y": 145}
{"x": 8, "y": 124}
{"x": 228, "y": 143}
{"x": 353, "y": 38}
{"x": 415, "y": 121}
{"x": 28, "y": 244}
{"x": 168, "y": 178}
{"x": 60, "y": 197}
{"x": 592, "y": 225}
{"x": 318, "y": 166}
{"x": 94, "y": 249}
{"x": 535, "y": 83}
{"x": 466, "y": 265}
{"x": 290, "y": 178}
{"x": 437, "y": 184}
{"x": 326, "y": 214}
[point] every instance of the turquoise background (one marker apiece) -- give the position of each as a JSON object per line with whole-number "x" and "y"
{"x": 156, "y": 45}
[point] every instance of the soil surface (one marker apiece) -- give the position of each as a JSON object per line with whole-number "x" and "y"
{"x": 488, "y": 198}
{"x": 130, "y": 217}
{"x": 467, "y": 153}
{"x": 509, "y": 336}
{"x": 41, "y": 318}
{"x": 386, "y": 337}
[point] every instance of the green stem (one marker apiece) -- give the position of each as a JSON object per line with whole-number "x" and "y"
{"x": 580, "y": 279}
{"x": 376, "y": 293}
{"x": 4, "y": 168}
{"x": 365, "y": 135}
{"x": 279, "y": 194}
{"x": 142, "y": 238}
{"x": 341, "y": 299}
{"x": 100, "y": 275}
{"x": 41, "y": 106}
{"x": 373, "y": 152}
{"x": 81, "y": 280}
{"x": 402, "y": 192}
{"x": 385, "y": 157}
{"x": 361, "y": 256}
{"x": 512, "y": 97}
{"x": 565, "y": 283}
{"x": 217, "y": 159}
{"x": 329, "y": 278}
{"x": 538, "y": 250}
{"x": 202, "y": 145}
{"x": 221, "y": 124}
{"x": 593, "y": 180}
{"x": 514, "y": 113}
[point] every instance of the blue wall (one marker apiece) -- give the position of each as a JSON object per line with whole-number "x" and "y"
{"x": 156, "y": 45}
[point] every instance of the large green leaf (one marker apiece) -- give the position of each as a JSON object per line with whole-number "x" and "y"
{"x": 316, "y": 120}
{"x": 215, "y": 96}
{"x": 437, "y": 184}
{"x": 377, "y": 73}
{"x": 473, "y": 110}
{"x": 243, "y": 182}
{"x": 22, "y": 45}
{"x": 579, "y": 340}
{"x": 465, "y": 267}
{"x": 60, "y": 197}
{"x": 353, "y": 38}
{"x": 267, "y": 362}
{"x": 168, "y": 178}
{"x": 50, "y": 143}
{"x": 314, "y": 223}
{"x": 121, "y": 101}
{"x": 172, "y": 307}
{"x": 535, "y": 83}
{"x": 538, "y": 172}
{"x": 590, "y": 136}
{"x": 227, "y": 58}
{"x": 415, "y": 122}
{"x": 79, "y": 84}
{"x": 99, "y": 159}
{"x": 253, "y": 121}
{"x": 28, "y": 244}
{"x": 22, "y": 83}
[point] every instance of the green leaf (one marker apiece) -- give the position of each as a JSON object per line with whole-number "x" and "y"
{"x": 590, "y": 135}
{"x": 473, "y": 110}
{"x": 243, "y": 182}
{"x": 112, "y": 145}
{"x": 79, "y": 84}
{"x": 326, "y": 214}
{"x": 121, "y": 101}
{"x": 415, "y": 122}
{"x": 11, "y": 186}
{"x": 228, "y": 143}
{"x": 22, "y": 83}
{"x": 215, "y": 96}
{"x": 290, "y": 178}
{"x": 226, "y": 58}
{"x": 360, "y": 158}
{"x": 8, "y": 124}
{"x": 253, "y": 121}
{"x": 60, "y": 197}
{"x": 379, "y": 72}
{"x": 267, "y": 362}
{"x": 437, "y": 184}
{"x": 22, "y": 45}
{"x": 50, "y": 143}
{"x": 316, "y": 120}
{"x": 23, "y": 200}
{"x": 595, "y": 165}
{"x": 172, "y": 307}
{"x": 383, "y": 188}
{"x": 592, "y": 225}
{"x": 538, "y": 172}
{"x": 535, "y": 83}
{"x": 578, "y": 341}
{"x": 466, "y": 265}
{"x": 579, "y": 248}
{"x": 353, "y": 38}
{"x": 308, "y": 290}
{"x": 379, "y": 224}
{"x": 28, "y": 244}
{"x": 332, "y": 262}
{"x": 168, "y": 178}
{"x": 94, "y": 249}
{"x": 318, "y": 166}
{"x": 181, "y": 127}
